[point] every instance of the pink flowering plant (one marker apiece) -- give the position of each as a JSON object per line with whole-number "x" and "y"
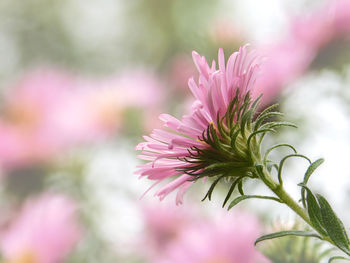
{"x": 222, "y": 139}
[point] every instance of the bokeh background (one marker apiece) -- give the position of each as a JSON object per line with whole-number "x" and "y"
{"x": 82, "y": 81}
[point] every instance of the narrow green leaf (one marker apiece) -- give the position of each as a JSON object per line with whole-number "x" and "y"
{"x": 307, "y": 175}
{"x": 234, "y": 136}
{"x": 268, "y": 109}
{"x": 275, "y": 147}
{"x": 333, "y": 225}
{"x": 314, "y": 212}
{"x": 282, "y": 163}
{"x": 256, "y": 102}
{"x": 251, "y": 136}
{"x": 274, "y": 124}
{"x": 232, "y": 188}
{"x": 259, "y": 168}
{"x": 337, "y": 257}
{"x": 259, "y": 121}
{"x": 271, "y": 165}
{"x": 240, "y": 187}
{"x": 226, "y": 165}
{"x": 244, "y": 197}
{"x": 286, "y": 233}
{"x": 311, "y": 169}
{"x": 211, "y": 189}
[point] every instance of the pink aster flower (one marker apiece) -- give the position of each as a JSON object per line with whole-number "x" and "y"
{"x": 289, "y": 58}
{"x": 48, "y": 112}
{"x": 227, "y": 239}
{"x": 163, "y": 224}
{"x": 42, "y": 115}
{"x": 45, "y": 231}
{"x": 171, "y": 151}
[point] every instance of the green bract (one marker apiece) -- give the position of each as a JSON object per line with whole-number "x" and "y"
{"x": 233, "y": 151}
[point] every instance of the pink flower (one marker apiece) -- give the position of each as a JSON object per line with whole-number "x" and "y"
{"x": 163, "y": 224}
{"x": 289, "y": 58}
{"x": 226, "y": 240}
{"x": 131, "y": 89}
{"x": 45, "y": 231}
{"x": 42, "y": 115}
{"x": 169, "y": 150}
{"x": 225, "y": 32}
{"x": 341, "y": 14}
{"x": 48, "y": 112}
{"x": 181, "y": 70}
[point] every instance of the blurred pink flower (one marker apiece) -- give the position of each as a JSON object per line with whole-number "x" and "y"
{"x": 291, "y": 57}
{"x": 42, "y": 115}
{"x": 229, "y": 239}
{"x": 341, "y": 16}
{"x": 163, "y": 223}
{"x": 132, "y": 89}
{"x": 45, "y": 231}
{"x": 225, "y": 32}
{"x": 167, "y": 149}
{"x": 181, "y": 70}
{"x": 49, "y": 111}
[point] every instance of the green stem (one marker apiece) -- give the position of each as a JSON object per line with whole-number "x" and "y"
{"x": 288, "y": 200}
{"x": 284, "y": 196}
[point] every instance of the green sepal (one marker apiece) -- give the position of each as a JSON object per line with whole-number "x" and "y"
{"x": 333, "y": 225}
{"x": 262, "y": 117}
{"x": 263, "y": 131}
{"x": 277, "y": 124}
{"x": 246, "y": 119}
{"x": 234, "y": 135}
{"x": 240, "y": 187}
{"x": 232, "y": 188}
{"x": 286, "y": 233}
{"x": 211, "y": 189}
{"x": 244, "y": 197}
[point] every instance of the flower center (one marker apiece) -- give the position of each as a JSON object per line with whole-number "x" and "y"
{"x": 26, "y": 116}
{"x": 24, "y": 257}
{"x": 217, "y": 260}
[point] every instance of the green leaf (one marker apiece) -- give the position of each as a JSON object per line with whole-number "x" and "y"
{"x": 268, "y": 109}
{"x": 314, "y": 212}
{"x": 240, "y": 187}
{"x": 275, "y": 147}
{"x": 274, "y": 124}
{"x": 263, "y": 116}
{"x": 333, "y": 225}
{"x": 282, "y": 163}
{"x": 234, "y": 136}
{"x": 246, "y": 119}
{"x": 307, "y": 175}
{"x": 286, "y": 233}
{"x": 256, "y": 103}
{"x": 233, "y": 185}
{"x": 251, "y": 136}
{"x": 337, "y": 257}
{"x": 211, "y": 189}
{"x": 259, "y": 168}
{"x": 311, "y": 169}
{"x": 244, "y": 197}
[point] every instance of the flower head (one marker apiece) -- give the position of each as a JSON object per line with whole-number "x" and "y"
{"x": 163, "y": 225}
{"x": 48, "y": 112}
{"x": 45, "y": 231}
{"x": 213, "y": 138}
{"x": 227, "y": 239}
